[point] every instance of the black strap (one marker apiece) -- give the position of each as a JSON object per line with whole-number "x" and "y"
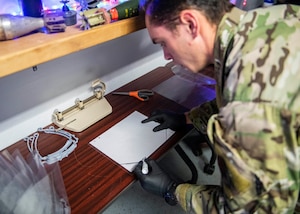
{"x": 225, "y": 71}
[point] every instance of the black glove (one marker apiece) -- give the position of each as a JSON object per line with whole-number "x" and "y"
{"x": 156, "y": 181}
{"x": 167, "y": 119}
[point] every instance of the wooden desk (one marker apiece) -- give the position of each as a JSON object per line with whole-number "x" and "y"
{"x": 92, "y": 180}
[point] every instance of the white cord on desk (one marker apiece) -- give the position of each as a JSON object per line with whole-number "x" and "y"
{"x": 63, "y": 152}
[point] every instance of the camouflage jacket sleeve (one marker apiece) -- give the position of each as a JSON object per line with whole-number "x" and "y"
{"x": 201, "y": 114}
{"x": 256, "y": 131}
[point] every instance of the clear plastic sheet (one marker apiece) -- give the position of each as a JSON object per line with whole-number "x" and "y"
{"x": 187, "y": 88}
{"x": 28, "y": 187}
{"x": 196, "y": 78}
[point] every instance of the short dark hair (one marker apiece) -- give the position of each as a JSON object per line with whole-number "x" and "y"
{"x": 166, "y": 12}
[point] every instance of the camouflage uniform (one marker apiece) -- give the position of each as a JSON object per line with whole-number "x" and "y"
{"x": 255, "y": 130}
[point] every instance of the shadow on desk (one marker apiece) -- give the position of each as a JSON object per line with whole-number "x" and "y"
{"x": 135, "y": 200}
{"x": 92, "y": 180}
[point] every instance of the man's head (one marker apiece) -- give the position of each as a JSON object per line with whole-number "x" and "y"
{"x": 185, "y": 29}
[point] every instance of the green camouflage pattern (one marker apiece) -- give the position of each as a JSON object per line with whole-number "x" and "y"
{"x": 256, "y": 131}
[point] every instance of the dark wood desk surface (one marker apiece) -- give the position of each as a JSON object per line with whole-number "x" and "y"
{"x": 92, "y": 180}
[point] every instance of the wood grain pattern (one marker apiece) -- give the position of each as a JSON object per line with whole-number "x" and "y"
{"x": 37, "y": 48}
{"x": 92, "y": 180}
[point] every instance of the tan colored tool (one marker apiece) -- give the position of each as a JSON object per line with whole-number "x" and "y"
{"x": 85, "y": 112}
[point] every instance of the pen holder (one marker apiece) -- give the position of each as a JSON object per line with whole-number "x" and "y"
{"x": 70, "y": 17}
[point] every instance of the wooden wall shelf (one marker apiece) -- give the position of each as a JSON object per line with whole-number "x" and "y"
{"x": 28, "y": 51}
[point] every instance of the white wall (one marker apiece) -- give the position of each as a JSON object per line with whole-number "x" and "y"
{"x": 28, "y": 98}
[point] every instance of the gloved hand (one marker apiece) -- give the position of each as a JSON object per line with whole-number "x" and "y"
{"x": 156, "y": 181}
{"x": 167, "y": 119}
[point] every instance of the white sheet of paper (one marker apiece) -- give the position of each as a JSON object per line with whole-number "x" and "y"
{"x": 129, "y": 141}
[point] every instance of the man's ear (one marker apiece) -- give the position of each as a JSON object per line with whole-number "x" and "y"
{"x": 189, "y": 18}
